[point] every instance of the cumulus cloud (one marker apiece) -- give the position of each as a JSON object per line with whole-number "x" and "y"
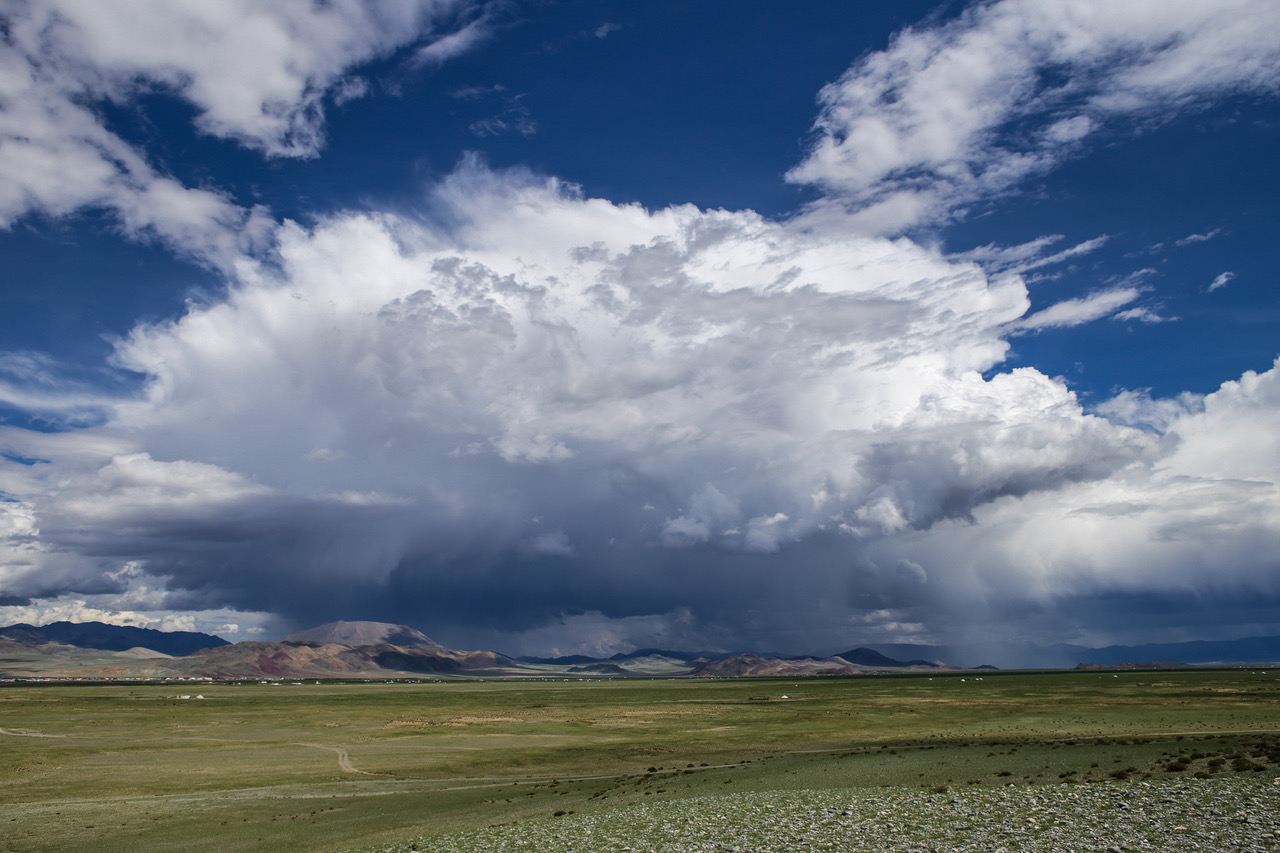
{"x": 256, "y": 73}
{"x": 952, "y": 115}
{"x": 1195, "y": 533}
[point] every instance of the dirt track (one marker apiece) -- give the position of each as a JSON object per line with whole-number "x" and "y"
{"x": 344, "y": 759}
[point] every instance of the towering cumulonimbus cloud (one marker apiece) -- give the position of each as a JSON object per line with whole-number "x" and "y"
{"x": 564, "y": 393}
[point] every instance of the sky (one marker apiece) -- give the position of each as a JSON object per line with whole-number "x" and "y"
{"x": 581, "y": 327}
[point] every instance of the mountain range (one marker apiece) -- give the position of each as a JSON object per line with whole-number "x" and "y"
{"x": 116, "y": 638}
{"x": 367, "y": 649}
{"x": 1065, "y": 655}
{"x": 379, "y": 649}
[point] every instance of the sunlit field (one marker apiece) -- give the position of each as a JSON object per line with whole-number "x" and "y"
{"x": 336, "y": 766}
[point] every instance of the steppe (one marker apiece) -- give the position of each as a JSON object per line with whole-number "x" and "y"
{"x": 910, "y": 762}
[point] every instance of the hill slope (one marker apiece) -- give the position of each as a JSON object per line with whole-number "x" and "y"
{"x": 364, "y": 634}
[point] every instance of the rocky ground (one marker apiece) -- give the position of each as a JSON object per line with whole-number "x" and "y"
{"x": 1223, "y": 814}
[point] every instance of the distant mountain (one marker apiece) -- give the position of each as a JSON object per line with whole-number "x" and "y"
{"x": 563, "y": 660}
{"x": 648, "y": 656}
{"x": 721, "y": 665}
{"x": 1065, "y": 656}
{"x": 871, "y": 657}
{"x": 666, "y": 653}
{"x": 1248, "y": 650}
{"x": 113, "y": 638}
{"x": 364, "y": 634}
{"x": 753, "y": 665}
{"x": 337, "y": 660}
{"x": 601, "y": 669}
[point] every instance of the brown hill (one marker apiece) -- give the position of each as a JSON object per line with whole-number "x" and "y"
{"x": 737, "y": 666}
{"x": 337, "y": 660}
{"x": 363, "y": 634}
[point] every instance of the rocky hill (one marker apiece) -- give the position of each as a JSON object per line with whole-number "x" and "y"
{"x": 338, "y": 660}
{"x": 864, "y": 662}
{"x": 364, "y": 634}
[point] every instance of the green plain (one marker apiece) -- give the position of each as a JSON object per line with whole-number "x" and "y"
{"x": 333, "y": 766}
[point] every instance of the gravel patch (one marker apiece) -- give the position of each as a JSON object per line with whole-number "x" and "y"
{"x": 1224, "y": 814}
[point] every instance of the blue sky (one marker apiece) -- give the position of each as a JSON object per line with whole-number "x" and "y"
{"x": 581, "y": 327}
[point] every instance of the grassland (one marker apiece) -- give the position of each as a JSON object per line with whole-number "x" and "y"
{"x": 334, "y": 766}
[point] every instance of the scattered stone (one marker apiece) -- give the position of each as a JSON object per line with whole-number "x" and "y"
{"x": 897, "y": 820}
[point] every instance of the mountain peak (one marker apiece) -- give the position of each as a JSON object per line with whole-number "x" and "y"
{"x": 363, "y": 634}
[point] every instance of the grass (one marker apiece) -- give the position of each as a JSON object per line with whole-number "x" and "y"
{"x": 334, "y": 766}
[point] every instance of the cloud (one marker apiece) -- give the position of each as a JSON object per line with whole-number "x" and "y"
{"x": 462, "y": 39}
{"x": 113, "y": 610}
{"x": 1077, "y": 312}
{"x": 681, "y": 398}
{"x": 516, "y": 118}
{"x": 1221, "y": 281}
{"x": 1198, "y": 238}
{"x": 1027, "y": 256}
{"x": 256, "y": 73}
{"x": 1194, "y": 534}
{"x": 1143, "y": 314}
{"x": 959, "y": 113}
{"x": 598, "y": 635}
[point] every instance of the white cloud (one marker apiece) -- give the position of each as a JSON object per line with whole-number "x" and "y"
{"x": 1203, "y": 524}
{"x": 1198, "y": 238}
{"x": 1221, "y": 281}
{"x": 1076, "y": 312}
{"x": 1143, "y": 314}
{"x": 1138, "y": 408}
{"x": 1028, "y": 256}
{"x": 460, "y": 41}
{"x": 114, "y": 610}
{"x": 256, "y": 73}
{"x": 954, "y": 114}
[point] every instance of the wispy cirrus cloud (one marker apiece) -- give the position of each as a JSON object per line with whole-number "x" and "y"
{"x": 1077, "y": 312}
{"x": 1028, "y": 256}
{"x": 1222, "y": 280}
{"x": 1192, "y": 239}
